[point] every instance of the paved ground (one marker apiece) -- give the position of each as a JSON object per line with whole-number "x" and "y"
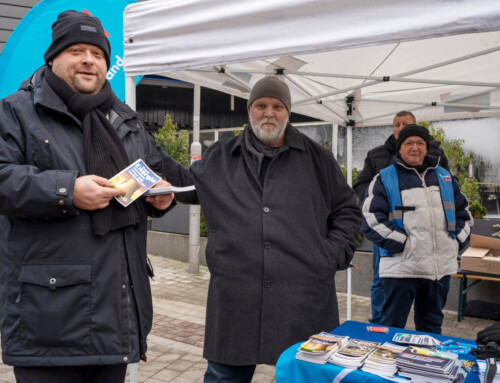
{"x": 176, "y": 341}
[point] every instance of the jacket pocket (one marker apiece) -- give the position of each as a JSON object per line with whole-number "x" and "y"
{"x": 55, "y": 305}
{"x": 42, "y": 157}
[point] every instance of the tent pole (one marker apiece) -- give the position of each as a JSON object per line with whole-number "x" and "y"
{"x": 335, "y": 130}
{"x": 450, "y": 100}
{"x": 235, "y": 79}
{"x": 130, "y": 100}
{"x": 349, "y": 181}
{"x": 452, "y": 104}
{"x": 335, "y": 140}
{"x": 306, "y": 92}
{"x": 194, "y": 210}
{"x": 395, "y": 78}
{"x": 399, "y": 75}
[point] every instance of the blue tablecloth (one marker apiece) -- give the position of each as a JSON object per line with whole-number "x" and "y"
{"x": 291, "y": 370}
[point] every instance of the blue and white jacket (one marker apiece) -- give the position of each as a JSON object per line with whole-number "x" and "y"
{"x": 424, "y": 247}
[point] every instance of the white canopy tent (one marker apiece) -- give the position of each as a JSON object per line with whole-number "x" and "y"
{"x": 353, "y": 63}
{"x": 438, "y": 57}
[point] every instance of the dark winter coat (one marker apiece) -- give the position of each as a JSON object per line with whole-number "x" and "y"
{"x": 272, "y": 250}
{"x": 68, "y": 297}
{"x": 381, "y": 157}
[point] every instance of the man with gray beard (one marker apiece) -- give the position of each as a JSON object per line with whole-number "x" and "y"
{"x": 281, "y": 221}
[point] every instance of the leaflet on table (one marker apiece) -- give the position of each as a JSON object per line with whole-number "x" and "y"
{"x": 482, "y": 371}
{"x": 135, "y": 180}
{"x": 354, "y": 353}
{"x": 427, "y": 365}
{"x": 456, "y": 375}
{"x": 414, "y": 339}
{"x": 319, "y": 347}
{"x": 382, "y": 361}
{"x": 385, "y": 354}
{"x": 169, "y": 190}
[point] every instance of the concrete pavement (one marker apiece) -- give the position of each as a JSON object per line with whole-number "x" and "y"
{"x": 176, "y": 340}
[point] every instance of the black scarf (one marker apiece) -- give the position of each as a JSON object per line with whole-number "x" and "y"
{"x": 105, "y": 155}
{"x": 262, "y": 155}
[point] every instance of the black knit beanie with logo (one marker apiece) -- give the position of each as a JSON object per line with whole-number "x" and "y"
{"x": 413, "y": 130}
{"x": 72, "y": 27}
{"x": 271, "y": 86}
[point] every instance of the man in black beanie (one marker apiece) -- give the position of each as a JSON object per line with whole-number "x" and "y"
{"x": 415, "y": 213}
{"x": 76, "y": 300}
{"x": 281, "y": 221}
{"x": 377, "y": 159}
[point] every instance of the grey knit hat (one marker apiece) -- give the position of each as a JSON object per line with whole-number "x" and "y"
{"x": 72, "y": 27}
{"x": 413, "y": 130}
{"x": 271, "y": 86}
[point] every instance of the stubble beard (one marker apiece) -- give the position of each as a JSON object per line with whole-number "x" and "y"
{"x": 87, "y": 87}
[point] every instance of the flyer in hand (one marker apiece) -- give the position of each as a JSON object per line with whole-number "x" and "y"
{"x": 169, "y": 190}
{"x": 135, "y": 180}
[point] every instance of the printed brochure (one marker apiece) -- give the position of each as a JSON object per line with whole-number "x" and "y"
{"x": 135, "y": 180}
{"x": 319, "y": 347}
{"x": 415, "y": 339}
{"x": 353, "y": 354}
{"x": 169, "y": 190}
{"x": 430, "y": 366}
{"x": 382, "y": 361}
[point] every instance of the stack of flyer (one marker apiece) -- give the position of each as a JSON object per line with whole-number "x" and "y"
{"x": 353, "y": 354}
{"x": 382, "y": 361}
{"x": 425, "y": 365}
{"x": 415, "y": 339}
{"x": 483, "y": 370}
{"x": 319, "y": 347}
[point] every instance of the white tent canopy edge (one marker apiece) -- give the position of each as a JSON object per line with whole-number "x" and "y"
{"x": 390, "y": 55}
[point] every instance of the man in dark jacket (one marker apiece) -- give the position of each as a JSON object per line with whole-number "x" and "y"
{"x": 75, "y": 297}
{"x": 281, "y": 221}
{"x": 376, "y": 160}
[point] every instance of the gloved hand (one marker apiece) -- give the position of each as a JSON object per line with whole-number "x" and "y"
{"x": 489, "y": 334}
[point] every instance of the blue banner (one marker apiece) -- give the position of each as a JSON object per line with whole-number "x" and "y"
{"x": 23, "y": 52}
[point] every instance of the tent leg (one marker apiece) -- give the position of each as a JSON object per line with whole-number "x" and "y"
{"x": 349, "y": 181}
{"x": 130, "y": 100}
{"x": 194, "y": 210}
{"x": 130, "y": 92}
{"x": 335, "y": 140}
{"x": 133, "y": 372}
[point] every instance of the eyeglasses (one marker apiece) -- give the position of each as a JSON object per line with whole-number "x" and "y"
{"x": 409, "y": 144}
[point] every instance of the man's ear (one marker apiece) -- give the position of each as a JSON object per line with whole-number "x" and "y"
{"x": 50, "y": 63}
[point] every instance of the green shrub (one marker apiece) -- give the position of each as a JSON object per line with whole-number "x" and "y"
{"x": 175, "y": 143}
{"x": 477, "y": 210}
{"x": 354, "y": 173}
{"x": 458, "y": 161}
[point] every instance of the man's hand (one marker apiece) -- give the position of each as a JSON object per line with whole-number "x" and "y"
{"x": 161, "y": 202}
{"x": 93, "y": 192}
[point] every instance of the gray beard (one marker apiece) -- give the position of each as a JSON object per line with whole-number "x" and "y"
{"x": 268, "y": 136}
